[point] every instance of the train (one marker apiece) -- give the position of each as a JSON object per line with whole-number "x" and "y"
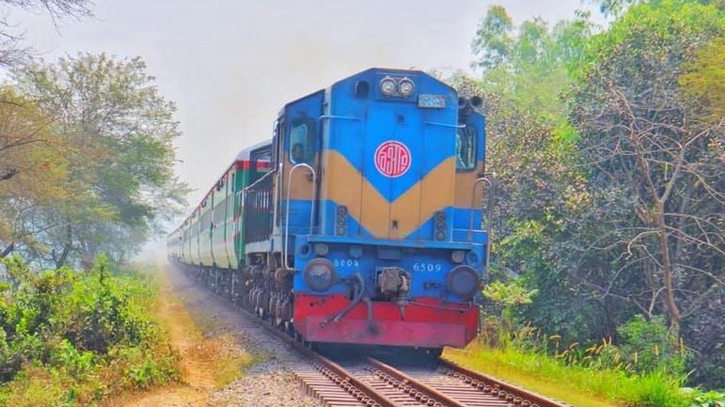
{"x": 359, "y": 222}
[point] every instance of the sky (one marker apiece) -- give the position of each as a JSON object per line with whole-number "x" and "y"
{"x": 230, "y": 65}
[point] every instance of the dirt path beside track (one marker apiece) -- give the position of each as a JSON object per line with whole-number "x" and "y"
{"x": 225, "y": 360}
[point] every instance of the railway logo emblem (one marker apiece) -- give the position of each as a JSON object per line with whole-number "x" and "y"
{"x": 392, "y": 159}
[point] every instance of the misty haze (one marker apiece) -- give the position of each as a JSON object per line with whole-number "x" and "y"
{"x": 362, "y": 203}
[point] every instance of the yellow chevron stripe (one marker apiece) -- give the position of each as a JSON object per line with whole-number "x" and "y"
{"x": 344, "y": 184}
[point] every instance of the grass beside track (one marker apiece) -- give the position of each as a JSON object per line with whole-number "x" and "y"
{"x": 575, "y": 385}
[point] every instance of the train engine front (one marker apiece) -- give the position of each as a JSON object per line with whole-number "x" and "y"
{"x": 380, "y": 211}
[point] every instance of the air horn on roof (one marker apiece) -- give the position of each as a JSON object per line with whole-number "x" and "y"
{"x": 466, "y": 106}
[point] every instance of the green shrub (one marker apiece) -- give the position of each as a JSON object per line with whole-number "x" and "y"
{"x": 145, "y": 367}
{"x": 37, "y": 386}
{"x": 645, "y": 368}
{"x": 708, "y": 399}
{"x": 649, "y": 347}
{"x": 67, "y": 356}
{"x": 71, "y": 338}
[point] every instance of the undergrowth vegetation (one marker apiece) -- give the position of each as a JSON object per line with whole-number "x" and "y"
{"x": 587, "y": 386}
{"x": 71, "y": 338}
{"x": 645, "y": 368}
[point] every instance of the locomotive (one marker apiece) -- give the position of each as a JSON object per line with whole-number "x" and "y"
{"x": 359, "y": 222}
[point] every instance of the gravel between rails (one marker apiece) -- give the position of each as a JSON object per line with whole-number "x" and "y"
{"x": 267, "y": 384}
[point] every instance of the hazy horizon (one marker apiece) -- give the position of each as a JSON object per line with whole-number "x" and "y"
{"x": 229, "y": 65}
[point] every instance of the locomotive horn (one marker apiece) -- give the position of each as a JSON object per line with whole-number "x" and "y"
{"x": 462, "y": 102}
{"x": 476, "y": 101}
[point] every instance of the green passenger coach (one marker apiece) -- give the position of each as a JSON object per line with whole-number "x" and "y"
{"x": 212, "y": 236}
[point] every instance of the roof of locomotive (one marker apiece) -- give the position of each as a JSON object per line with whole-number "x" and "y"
{"x": 366, "y": 72}
{"x": 393, "y": 71}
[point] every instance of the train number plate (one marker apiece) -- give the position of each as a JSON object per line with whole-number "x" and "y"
{"x": 345, "y": 263}
{"x": 426, "y": 267}
{"x": 428, "y": 101}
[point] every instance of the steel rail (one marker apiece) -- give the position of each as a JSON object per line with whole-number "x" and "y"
{"x": 417, "y": 386}
{"x": 336, "y": 373}
{"x": 506, "y": 391}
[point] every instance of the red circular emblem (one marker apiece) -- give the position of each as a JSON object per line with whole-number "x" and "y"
{"x": 392, "y": 159}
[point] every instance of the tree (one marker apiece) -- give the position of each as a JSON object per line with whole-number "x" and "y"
{"x": 530, "y": 148}
{"x": 120, "y": 173}
{"x": 494, "y": 38}
{"x": 615, "y": 8}
{"x": 704, "y": 79}
{"x": 652, "y": 140}
{"x": 652, "y": 153}
{"x": 32, "y": 168}
{"x": 608, "y": 149}
{"x": 527, "y": 65}
{"x": 537, "y": 192}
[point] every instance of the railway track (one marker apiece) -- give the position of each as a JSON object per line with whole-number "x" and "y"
{"x": 449, "y": 384}
{"x": 370, "y": 382}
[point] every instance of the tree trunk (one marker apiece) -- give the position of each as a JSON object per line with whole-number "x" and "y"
{"x": 661, "y": 227}
{"x": 60, "y": 261}
{"x": 9, "y": 249}
{"x": 673, "y": 310}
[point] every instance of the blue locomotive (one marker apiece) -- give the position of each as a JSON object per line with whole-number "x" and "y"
{"x": 360, "y": 221}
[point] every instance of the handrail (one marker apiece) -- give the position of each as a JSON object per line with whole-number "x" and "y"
{"x": 454, "y": 126}
{"x": 253, "y": 184}
{"x": 330, "y": 116}
{"x": 312, "y": 208}
{"x": 488, "y": 179}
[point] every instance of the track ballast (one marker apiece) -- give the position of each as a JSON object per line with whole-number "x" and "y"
{"x": 367, "y": 381}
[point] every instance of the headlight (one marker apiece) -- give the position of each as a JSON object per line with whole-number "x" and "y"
{"x": 464, "y": 282}
{"x": 406, "y": 87}
{"x": 457, "y": 256}
{"x": 320, "y": 275}
{"x": 387, "y": 86}
{"x": 321, "y": 249}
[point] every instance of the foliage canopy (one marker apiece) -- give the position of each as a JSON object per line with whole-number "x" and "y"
{"x": 608, "y": 147}
{"x": 108, "y": 138}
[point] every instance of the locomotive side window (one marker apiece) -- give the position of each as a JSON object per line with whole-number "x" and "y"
{"x": 466, "y": 148}
{"x": 302, "y": 141}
